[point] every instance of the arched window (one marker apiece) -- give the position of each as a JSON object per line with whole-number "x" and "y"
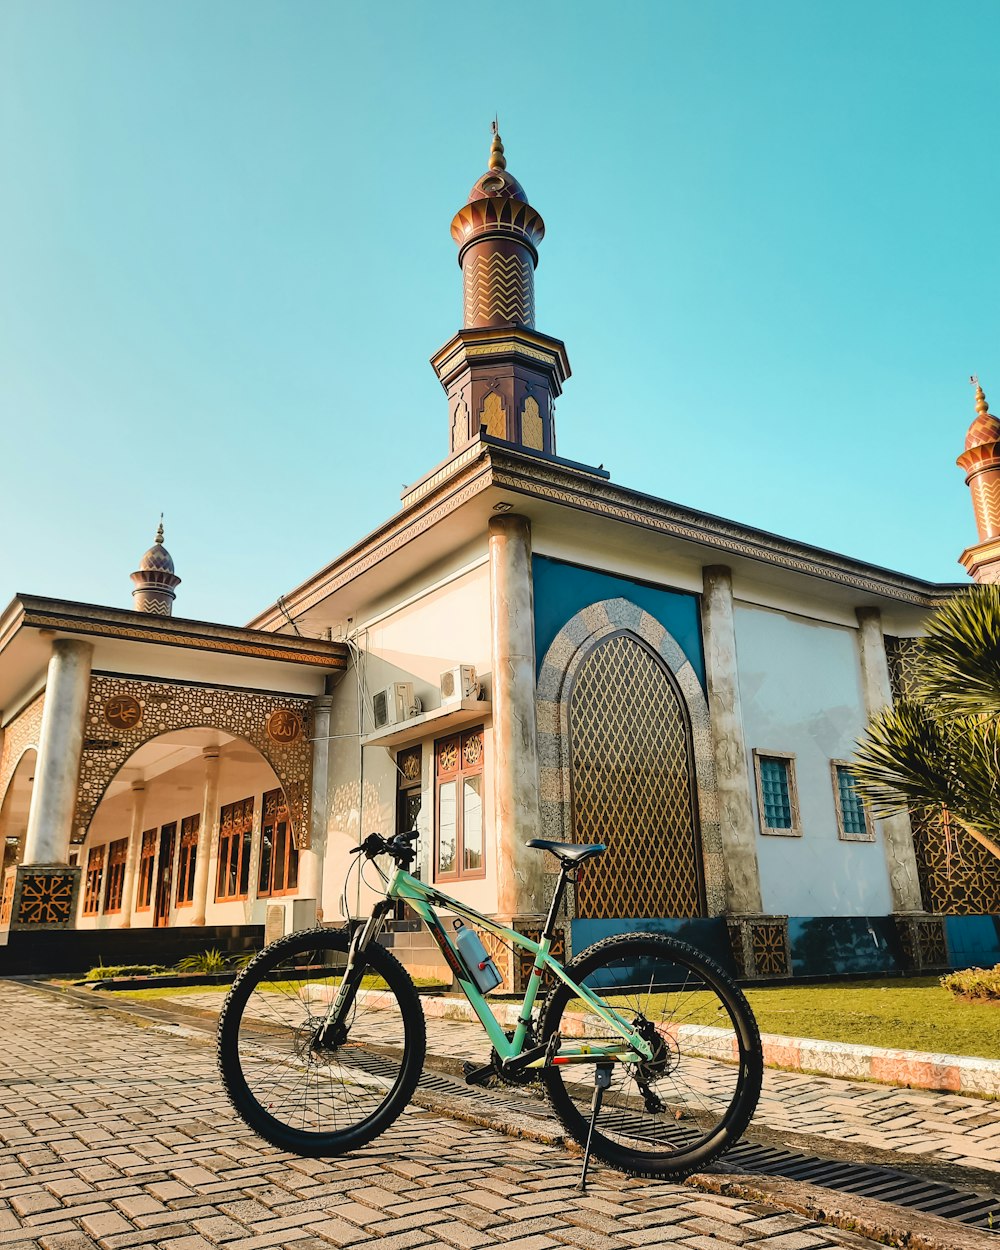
{"x": 633, "y": 785}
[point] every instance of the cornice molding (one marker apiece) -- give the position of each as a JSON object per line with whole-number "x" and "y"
{"x": 491, "y": 463}
{"x": 30, "y": 612}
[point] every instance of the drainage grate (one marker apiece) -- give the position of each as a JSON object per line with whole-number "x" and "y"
{"x": 866, "y": 1180}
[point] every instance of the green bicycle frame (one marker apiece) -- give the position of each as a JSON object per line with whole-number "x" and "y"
{"x": 401, "y": 885}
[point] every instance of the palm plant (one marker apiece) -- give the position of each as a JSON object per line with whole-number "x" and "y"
{"x": 939, "y": 752}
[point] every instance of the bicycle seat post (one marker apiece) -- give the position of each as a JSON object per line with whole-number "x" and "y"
{"x": 557, "y": 897}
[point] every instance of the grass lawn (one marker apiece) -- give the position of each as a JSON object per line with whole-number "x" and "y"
{"x": 911, "y": 1014}
{"x": 908, "y": 1014}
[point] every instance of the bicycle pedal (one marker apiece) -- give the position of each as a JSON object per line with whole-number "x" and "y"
{"x": 477, "y": 1076}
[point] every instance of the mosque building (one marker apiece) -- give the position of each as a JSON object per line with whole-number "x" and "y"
{"x": 524, "y": 648}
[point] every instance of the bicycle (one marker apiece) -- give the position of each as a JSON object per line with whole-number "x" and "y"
{"x": 322, "y": 1037}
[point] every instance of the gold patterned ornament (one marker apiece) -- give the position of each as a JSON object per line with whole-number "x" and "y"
{"x": 284, "y": 726}
{"x": 531, "y": 425}
{"x": 448, "y": 756}
{"x": 123, "y": 712}
{"x": 473, "y": 749}
{"x": 409, "y": 764}
{"x": 45, "y": 899}
{"x": 494, "y": 416}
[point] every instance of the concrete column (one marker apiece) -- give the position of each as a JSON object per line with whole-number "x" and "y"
{"x": 57, "y": 771}
{"x": 521, "y": 886}
{"x": 897, "y": 833}
{"x": 206, "y": 834}
{"x": 311, "y": 862}
{"x": 134, "y": 847}
{"x": 732, "y": 775}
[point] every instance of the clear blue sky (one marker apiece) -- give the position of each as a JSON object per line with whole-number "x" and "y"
{"x": 225, "y": 261}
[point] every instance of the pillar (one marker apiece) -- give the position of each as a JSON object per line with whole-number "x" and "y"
{"x": 521, "y": 886}
{"x": 57, "y": 771}
{"x": 897, "y": 834}
{"x": 732, "y": 776}
{"x": 134, "y": 847}
{"x": 311, "y": 860}
{"x": 206, "y": 834}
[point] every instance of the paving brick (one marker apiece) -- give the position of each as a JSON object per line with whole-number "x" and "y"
{"x": 66, "y": 1241}
{"x": 105, "y": 1224}
{"x": 458, "y": 1234}
{"x": 788, "y": 1241}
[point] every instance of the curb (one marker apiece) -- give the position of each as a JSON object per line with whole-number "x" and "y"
{"x": 953, "y": 1074}
{"x": 879, "y": 1221}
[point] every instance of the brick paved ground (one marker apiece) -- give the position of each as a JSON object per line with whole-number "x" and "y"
{"x": 946, "y": 1127}
{"x": 116, "y": 1135}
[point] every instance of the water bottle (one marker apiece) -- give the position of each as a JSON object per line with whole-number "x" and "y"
{"x": 476, "y": 958}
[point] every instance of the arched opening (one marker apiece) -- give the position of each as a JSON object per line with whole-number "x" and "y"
{"x": 14, "y": 810}
{"x": 192, "y": 829}
{"x": 633, "y": 784}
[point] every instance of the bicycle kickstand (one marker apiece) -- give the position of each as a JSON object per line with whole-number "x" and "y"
{"x": 602, "y": 1079}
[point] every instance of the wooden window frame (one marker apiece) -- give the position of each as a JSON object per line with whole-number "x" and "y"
{"x": 843, "y": 835}
{"x": 114, "y": 880}
{"x": 788, "y": 758}
{"x": 148, "y": 846}
{"x": 187, "y": 860}
{"x": 458, "y": 775}
{"x": 93, "y": 879}
{"x": 271, "y": 819}
{"x": 244, "y": 849}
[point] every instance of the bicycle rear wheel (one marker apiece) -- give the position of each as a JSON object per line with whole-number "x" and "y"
{"x": 304, "y": 1095}
{"x": 673, "y": 1114}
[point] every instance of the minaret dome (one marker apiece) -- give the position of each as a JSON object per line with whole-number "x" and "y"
{"x": 981, "y": 462}
{"x": 154, "y": 580}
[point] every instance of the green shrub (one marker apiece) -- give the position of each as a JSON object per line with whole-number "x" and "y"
{"x": 104, "y": 972}
{"x": 206, "y": 961}
{"x": 979, "y": 983}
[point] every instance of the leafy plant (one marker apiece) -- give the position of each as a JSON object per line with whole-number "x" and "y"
{"x": 105, "y": 972}
{"x": 208, "y": 961}
{"x": 939, "y": 753}
{"x": 977, "y": 983}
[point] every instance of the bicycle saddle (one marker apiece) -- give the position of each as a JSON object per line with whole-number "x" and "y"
{"x": 569, "y": 852}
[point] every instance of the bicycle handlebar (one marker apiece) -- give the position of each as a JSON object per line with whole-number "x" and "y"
{"x": 400, "y": 847}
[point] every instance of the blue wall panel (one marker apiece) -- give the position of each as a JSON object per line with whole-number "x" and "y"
{"x": 708, "y": 935}
{"x": 562, "y": 590}
{"x": 973, "y": 941}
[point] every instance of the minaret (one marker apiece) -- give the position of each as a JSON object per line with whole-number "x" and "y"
{"x": 155, "y": 579}
{"x": 500, "y": 375}
{"x": 981, "y": 462}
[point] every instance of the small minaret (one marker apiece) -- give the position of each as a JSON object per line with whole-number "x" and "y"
{"x": 155, "y": 579}
{"x": 500, "y": 375}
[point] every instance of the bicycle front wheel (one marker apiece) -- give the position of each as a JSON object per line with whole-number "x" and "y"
{"x": 309, "y": 1094}
{"x": 672, "y": 1114}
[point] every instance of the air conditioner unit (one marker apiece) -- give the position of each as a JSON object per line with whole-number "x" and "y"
{"x": 394, "y": 704}
{"x": 459, "y": 683}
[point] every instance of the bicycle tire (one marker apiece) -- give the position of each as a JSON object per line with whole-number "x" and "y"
{"x": 303, "y": 1097}
{"x": 704, "y": 1107}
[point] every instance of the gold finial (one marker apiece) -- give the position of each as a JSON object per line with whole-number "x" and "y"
{"x": 982, "y": 407}
{"x": 497, "y": 159}
{"x": 159, "y": 530}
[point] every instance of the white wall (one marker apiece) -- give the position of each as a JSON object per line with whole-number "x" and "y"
{"x": 416, "y": 642}
{"x": 800, "y": 687}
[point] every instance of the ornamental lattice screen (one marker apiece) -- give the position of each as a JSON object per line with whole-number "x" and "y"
{"x": 632, "y": 785}
{"x": 958, "y": 876}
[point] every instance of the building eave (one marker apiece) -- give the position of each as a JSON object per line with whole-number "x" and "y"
{"x": 491, "y": 465}
{"x": 70, "y": 618}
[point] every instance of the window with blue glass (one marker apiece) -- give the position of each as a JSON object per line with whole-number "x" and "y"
{"x": 777, "y": 800}
{"x": 853, "y": 821}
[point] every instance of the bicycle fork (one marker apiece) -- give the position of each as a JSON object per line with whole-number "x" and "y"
{"x": 332, "y": 1032}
